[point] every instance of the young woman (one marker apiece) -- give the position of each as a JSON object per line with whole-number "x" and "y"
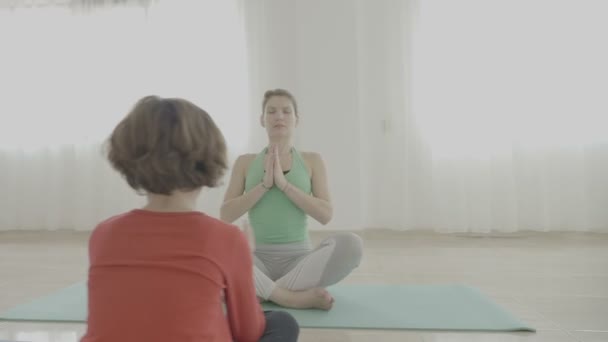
{"x": 279, "y": 188}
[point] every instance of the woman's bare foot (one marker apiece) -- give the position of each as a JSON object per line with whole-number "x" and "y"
{"x": 315, "y": 298}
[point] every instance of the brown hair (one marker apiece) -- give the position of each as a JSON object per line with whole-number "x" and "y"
{"x": 279, "y": 92}
{"x": 164, "y": 145}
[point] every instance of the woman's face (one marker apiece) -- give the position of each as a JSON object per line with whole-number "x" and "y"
{"x": 279, "y": 117}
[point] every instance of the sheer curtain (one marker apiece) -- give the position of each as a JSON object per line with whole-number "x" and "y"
{"x": 502, "y": 126}
{"x": 69, "y": 76}
{"x": 468, "y": 116}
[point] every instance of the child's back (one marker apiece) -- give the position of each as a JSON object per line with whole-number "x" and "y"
{"x": 159, "y": 276}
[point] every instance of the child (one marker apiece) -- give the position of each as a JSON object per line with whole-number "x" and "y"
{"x": 158, "y": 273}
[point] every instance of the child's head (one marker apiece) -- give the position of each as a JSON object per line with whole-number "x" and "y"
{"x": 167, "y": 145}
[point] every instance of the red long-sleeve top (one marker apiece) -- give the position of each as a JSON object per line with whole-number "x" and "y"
{"x": 159, "y": 277}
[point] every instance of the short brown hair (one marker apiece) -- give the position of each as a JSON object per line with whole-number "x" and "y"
{"x": 164, "y": 145}
{"x": 279, "y": 92}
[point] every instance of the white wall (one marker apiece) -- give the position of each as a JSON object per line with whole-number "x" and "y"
{"x": 346, "y": 60}
{"x": 309, "y": 48}
{"x": 332, "y": 55}
{"x": 347, "y": 63}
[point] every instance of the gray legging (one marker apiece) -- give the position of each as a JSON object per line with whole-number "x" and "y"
{"x": 280, "y": 326}
{"x": 296, "y": 266}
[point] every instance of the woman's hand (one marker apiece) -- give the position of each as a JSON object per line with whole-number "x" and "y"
{"x": 268, "y": 180}
{"x": 279, "y": 178}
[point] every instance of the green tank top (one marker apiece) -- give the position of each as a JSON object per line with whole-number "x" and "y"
{"x": 275, "y": 218}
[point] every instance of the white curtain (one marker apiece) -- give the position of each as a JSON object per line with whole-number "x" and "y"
{"x": 502, "y": 123}
{"x": 453, "y": 116}
{"x": 68, "y": 77}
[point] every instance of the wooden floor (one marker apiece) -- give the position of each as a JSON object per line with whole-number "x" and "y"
{"x": 556, "y": 282}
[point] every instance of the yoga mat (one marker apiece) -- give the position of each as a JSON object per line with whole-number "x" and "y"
{"x": 419, "y": 307}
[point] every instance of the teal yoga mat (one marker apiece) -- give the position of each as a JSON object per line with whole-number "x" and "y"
{"x": 419, "y": 307}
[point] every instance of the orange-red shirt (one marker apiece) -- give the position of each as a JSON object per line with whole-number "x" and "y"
{"x": 159, "y": 277}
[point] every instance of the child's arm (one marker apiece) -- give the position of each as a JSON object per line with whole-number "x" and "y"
{"x": 245, "y": 315}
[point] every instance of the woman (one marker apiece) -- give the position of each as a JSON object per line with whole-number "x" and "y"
{"x": 279, "y": 188}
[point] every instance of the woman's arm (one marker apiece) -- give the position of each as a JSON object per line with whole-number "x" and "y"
{"x": 235, "y": 202}
{"x": 318, "y": 205}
